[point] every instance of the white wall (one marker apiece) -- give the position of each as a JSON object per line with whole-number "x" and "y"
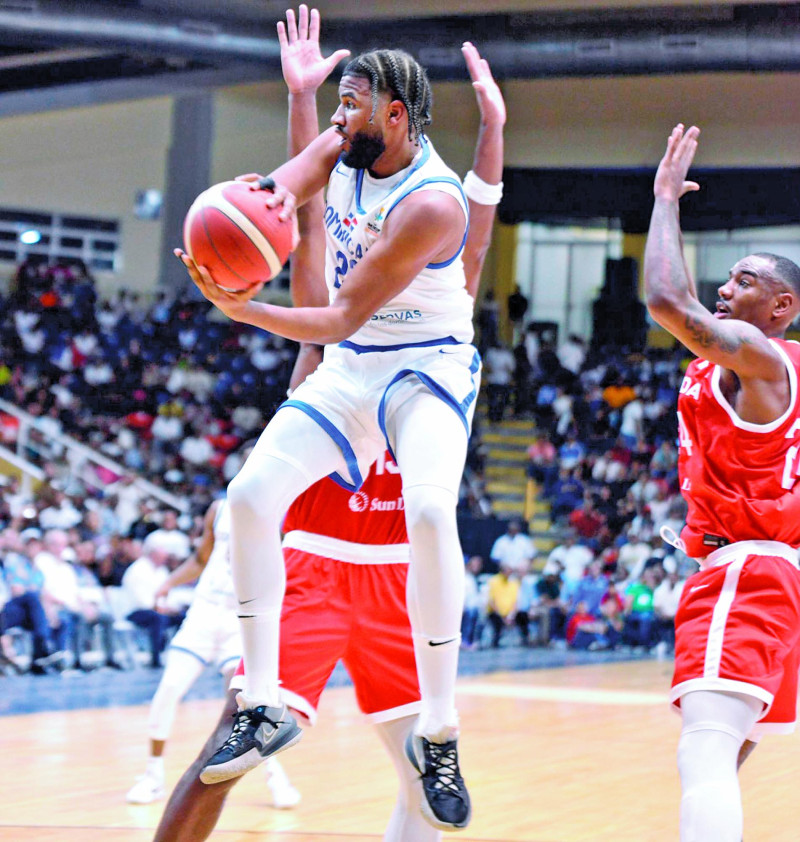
{"x": 92, "y": 160}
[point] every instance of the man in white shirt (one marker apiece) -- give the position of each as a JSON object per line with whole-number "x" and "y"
{"x": 514, "y": 549}
{"x": 140, "y": 583}
{"x": 574, "y": 558}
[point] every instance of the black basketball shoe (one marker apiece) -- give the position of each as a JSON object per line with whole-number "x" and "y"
{"x": 257, "y": 734}
{"x": 446, "y": 805}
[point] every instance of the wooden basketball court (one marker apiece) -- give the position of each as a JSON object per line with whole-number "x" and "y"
{"x": 575, "y": 754}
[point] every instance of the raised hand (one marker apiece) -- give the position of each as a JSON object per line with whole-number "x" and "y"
{"x": 671, "y": 183}
{"x": 490, "y": 101}
{"x": 304, "y": 68}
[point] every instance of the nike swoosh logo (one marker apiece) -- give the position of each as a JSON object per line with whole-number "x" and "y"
{"x": 442, "y": 351}
{"x": 245, "y": 601}
{"x": 441, "y": 642}
{"x": 697, "y": 588}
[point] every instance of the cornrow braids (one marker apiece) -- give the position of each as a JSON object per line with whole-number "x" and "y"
{"x": 402, "y": 77}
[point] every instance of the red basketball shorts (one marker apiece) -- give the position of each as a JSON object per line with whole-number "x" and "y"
{"x": 356, "y": 613}
{"x": 737, "y": 630}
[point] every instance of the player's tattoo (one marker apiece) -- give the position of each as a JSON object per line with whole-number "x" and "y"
{"x": 707, "y": 336}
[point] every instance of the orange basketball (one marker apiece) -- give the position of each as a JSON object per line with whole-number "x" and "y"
{"x": 231, "y": 232}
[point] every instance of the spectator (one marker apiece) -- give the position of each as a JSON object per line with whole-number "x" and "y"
{"x": 548, "y": 610}
{"x": 61, "y": 594}
{"x": 566, "y": 494}
{"x": 640, "y": 619}
{"x": 572, "y": 353}
{"x": 513, "y": 549}
{"x": 499, "y": 373}
{"x": 574, "y": 558}
{"x": 585, "y": 630}
{"x": 543, "y": 466}
{"x": 665, "y": 604}
{"x": 517, "y": 308}
{"x": 591, "y": 589}
{"x": 140, "y": 583}
{"x": 168, "y": 535}
{"x": 20, "y": 600}
{"x": 474, "y": 604}
{"x": 587, "y": 520}
{"x": 501, "y": 607}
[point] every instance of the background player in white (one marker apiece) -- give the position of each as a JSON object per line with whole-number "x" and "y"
{"x": 209, "y": 634}
{"x": 738, "y": 621}
{"x": 406, "y": 376}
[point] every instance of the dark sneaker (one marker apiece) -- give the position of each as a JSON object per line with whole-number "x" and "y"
{"x": 257, "y": 734}
{"x": 446, "y": 805}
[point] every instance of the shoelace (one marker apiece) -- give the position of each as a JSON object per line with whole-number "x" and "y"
{"x": 245, "y": 719}
{"x": 445, "y": 763}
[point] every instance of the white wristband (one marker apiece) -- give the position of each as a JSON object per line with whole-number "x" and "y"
{"x": 481, "y": 192}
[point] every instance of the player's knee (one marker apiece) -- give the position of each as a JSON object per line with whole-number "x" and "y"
{"x": 429, "y": 509}
{"x": 248, "y": 496}
{"x": 712, "y": 747}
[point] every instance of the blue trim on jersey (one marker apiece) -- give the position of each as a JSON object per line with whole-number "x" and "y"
{"x": 426, "y": 154}
{"x": 359, "y": 182}
{"x": 203, "y": 661}
{"x": 228, "y": 660}
{"x": 439, "y": 180}
{"x": 436, "y": 390}
{"x": 338, "y": 439}
{"x": 371, "y": 349}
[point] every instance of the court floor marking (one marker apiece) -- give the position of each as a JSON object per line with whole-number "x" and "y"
{"x": 576, "y": 695}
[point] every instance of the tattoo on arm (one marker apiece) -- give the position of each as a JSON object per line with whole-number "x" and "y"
{"x": 708, "y": 336}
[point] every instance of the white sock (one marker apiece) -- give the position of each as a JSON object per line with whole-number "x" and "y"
{"x": 437, "y": 663}
{"x": 155, "y": 767}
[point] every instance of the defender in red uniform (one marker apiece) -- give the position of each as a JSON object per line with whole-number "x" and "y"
{"x": 738, "y": 623}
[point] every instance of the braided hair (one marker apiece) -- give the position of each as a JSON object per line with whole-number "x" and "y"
{"x": 401, "y": 76}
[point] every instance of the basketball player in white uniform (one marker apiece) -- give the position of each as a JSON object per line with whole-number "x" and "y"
{"x": 209, "y": 634}
{"x": 399, "y": 371}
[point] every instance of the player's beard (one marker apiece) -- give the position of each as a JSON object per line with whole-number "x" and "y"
{"x": 364, "y": 150}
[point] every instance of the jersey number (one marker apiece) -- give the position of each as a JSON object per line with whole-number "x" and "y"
{"x": 791, "y": 468}
{"x": 683, "y": 435}
{"x": 344, "y": 264}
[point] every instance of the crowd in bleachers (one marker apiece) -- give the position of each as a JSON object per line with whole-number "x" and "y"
{"x": 605, "y": 462}
{"x": 169, "y": 393}
{"x": 161, "y": 389}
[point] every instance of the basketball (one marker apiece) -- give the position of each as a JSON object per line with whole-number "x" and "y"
{"x": 229, "y": 230}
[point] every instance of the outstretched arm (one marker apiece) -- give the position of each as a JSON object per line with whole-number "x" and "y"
{"x": 304, "y": 71}
{"x": 196, "y": 563}
{"x": 487, "y": 164}
{"x": 669, "y": 290}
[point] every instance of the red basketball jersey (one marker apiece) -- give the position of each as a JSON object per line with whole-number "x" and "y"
{"x": 739, "y": 479}
{"x": 372, "y": 515}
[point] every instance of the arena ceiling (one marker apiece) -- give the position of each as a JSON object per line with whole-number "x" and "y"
{"x": 66, "y": 53}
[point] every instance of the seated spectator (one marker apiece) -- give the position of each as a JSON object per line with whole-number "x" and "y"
{"x": 60, "y": 594}
{"x": 640, "y": 618}
{"x": 543, "y": 466}
{"x": 94, "y": 608}
{"x": 591, "y": 589}
{"x": 665, "y": 604}
{"x": 474, "y": 604}
{"x": 514, "y": 548}
{"x": 573, "y": 558}
{"x": 501, "y": 607}
{"x": 585, "y": 630}
{"x": 587, "y": 520}
{"x": 20, "y": 598}
{"x": 566, "y": 495}
{"x": 612, "y": 610}
{"x": 140, "y": 583}
{"x": 571, "y": 452}
{"x": 168, "y": 535}
{"x": 548, "y": 610}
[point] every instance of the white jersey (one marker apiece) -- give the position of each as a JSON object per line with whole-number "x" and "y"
{"x": 216, "y": 583}
{"x": 436, "y": 305}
